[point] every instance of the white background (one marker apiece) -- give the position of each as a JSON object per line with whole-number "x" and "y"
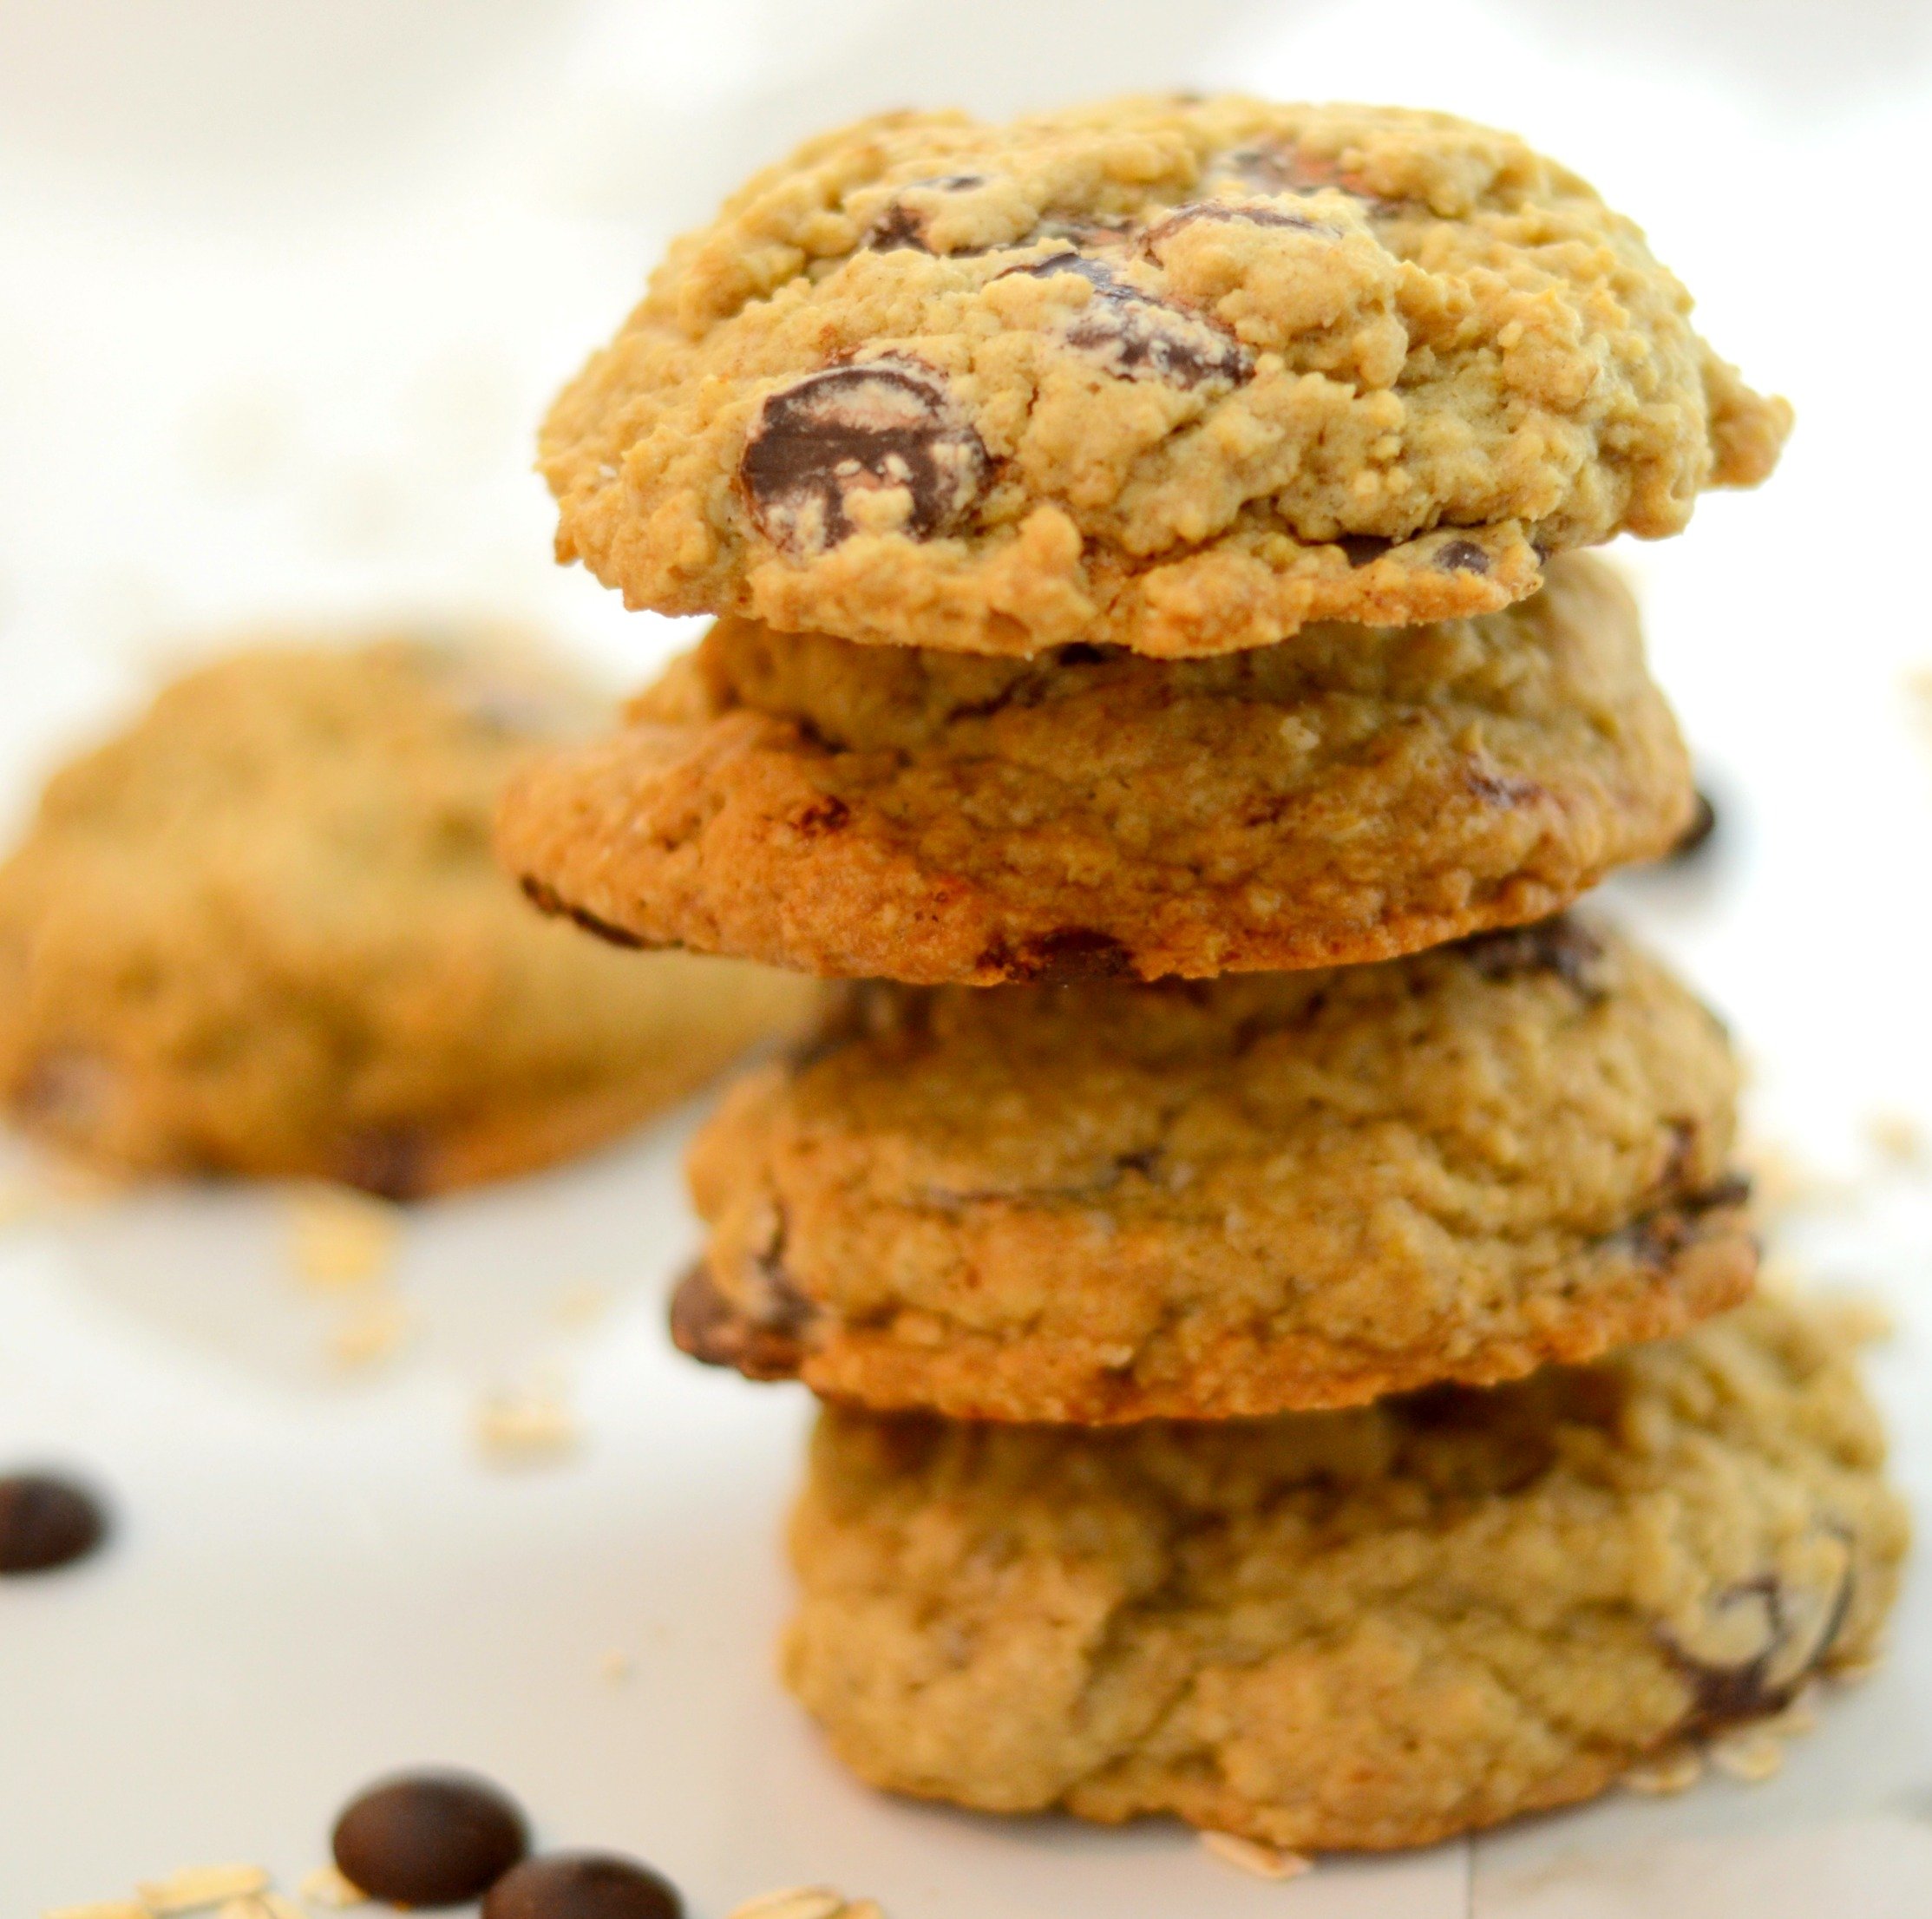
{"x": 284, "y": 286}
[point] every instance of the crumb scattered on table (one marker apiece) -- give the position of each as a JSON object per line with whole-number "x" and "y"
{"x": 1251, "y": 1855}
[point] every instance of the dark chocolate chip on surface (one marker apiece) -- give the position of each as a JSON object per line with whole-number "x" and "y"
{"x": 1697, "y": 835}
{"x": 391, "y": 1163}
{"x": 1462, "y": 556}
{"x": 1564, "y": 946}
{"x": 429, "y": 1838}
{"x": 46, "y": 1523}
{"x": 582, "y": 1885}
{"x": 848, "y": 430}
{"x": 707, "y": 1326}
{"x": 1065, "y": 954}
{"x": 1136, "y": 334}
{"x": 1234, "y": 213}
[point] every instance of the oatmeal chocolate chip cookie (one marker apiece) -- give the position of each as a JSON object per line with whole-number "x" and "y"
{"x": 910, "y": 813}
{"x": 263, "y": 932}
{"x": 1273, "y": 1192}
{"x": 1362, "y": 1630}
{"x": 1176, "y": 374}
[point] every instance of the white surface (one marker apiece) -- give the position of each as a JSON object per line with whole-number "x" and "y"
{"x": 282, "y": 291}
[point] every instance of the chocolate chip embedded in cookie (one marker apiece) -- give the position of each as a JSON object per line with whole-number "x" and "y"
{"x": 1179, "y": 374}
{"x": 912, "y": 813}
{"x": 262, "y": 933}
{"x": 1362, "y": 1630}
{"x": 875, "y": 445}
{"x": 1114, "y": 1202}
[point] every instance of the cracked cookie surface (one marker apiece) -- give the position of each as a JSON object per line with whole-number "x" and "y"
{"x": 904, "y": 813}
{"x": 262, "y": 932}
{"x": 1364, "y": 1629}
{"x": 1178, "y": 375}
{"x": 1113, "y": 1202}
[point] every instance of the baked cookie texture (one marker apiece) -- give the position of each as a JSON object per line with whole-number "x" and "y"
{"x": 1176, "y": 374}
{"x": 1274, "y": 1191}
{"x": 911, "y": 813}
{"x": 262, "y": 933}
{"x": 1362, "y": 1629}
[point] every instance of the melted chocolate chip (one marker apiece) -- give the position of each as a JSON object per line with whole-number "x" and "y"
{"x": 1697, "y": 835}
{"x": 1498, "y": 789}
{"x": 582, "y": 1885}
{"x": 1462, "y": 556}
{"x": 1234, "y": 213}
{"x": 547, "y": 899}
{"x": 392, "y": 1163}
{"x": 1659, "y": 1238}
{"x": 1362, "y": 548}
{"x": 862, "y": 429}
{"x": 1278, "y": 169}
{"x": 1136, "y": 334}
{"x": 826, "y": 814}
{"x": 1770, "y": 1678}
{"x": 898, "y": 228}
{"x": 1053, "y": 958}
{"x": 709, "y": 1328}
{"x": 429, "y": 1838}
{"x": 46, "y": 1523}
{"x": 1564, "y": 946}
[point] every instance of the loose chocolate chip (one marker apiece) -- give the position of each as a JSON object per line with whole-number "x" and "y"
{"x": 854, "y": 429}
{"x": 46, "y": 1523}
{"x": 713, "y": 1330}
{"x": 582, "y": 1885}
{"x": 429, "y": 1838}
{"x": 1562, "y": 946}
{"x": 1462, "y": 556}
{"x": 1697, "y": 835}
{"x": 1136, "y": 335}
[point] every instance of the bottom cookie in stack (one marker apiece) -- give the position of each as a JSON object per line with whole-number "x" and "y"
{"x": 1359, "y": 1629}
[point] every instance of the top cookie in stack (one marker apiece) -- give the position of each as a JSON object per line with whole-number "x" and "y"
{"x": 1251, "y": 441}
{"x": 1175, "y": 375}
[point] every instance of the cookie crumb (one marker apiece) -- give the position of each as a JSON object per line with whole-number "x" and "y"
{"x": 329, "y": 1886}
{"x": 806, "y": 1902}
{"x": 582, "y": 1304}
{"x": 1896, "y": 1137}
{"x": 194, "y": 1888}
{"x": 19, "y": 1203}
{"x": 340, "y": 1239}
{"x": 1752, "y": 1755}
{"x": 526, "y": 1428}
{"x": 1782, "y": 1183}
{"x": 1251, "y": 1855}
{"x": 1675, "y": 1770}
{"x": 616, "y": 1668}
{"x": 370, "y": 1334}
{"x": 261, "y": 1905}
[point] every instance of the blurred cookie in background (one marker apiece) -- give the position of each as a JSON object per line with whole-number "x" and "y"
{"x": 261, "y": 932}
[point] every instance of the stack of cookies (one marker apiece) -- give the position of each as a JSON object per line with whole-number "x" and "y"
{"x": 1280, "y": 1286}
